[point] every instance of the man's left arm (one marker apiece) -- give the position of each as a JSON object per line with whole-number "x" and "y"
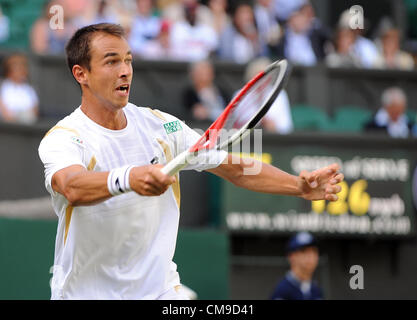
{"x": 321, "y": 184}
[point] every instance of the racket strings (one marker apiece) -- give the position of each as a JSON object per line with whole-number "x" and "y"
{"x": 250, "y": 104}
{"x": 241, "y": 112}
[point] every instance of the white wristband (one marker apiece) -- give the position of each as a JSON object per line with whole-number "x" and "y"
{"x": 118, "y": 180}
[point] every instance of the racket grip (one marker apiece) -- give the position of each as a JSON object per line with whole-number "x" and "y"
{"x": 176, "y": 164}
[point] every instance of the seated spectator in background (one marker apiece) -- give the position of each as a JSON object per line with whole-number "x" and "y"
{"x": 218, "y": 17}
{"x": 304, "y": 37}
{"x": 146, "y": 26}
{"x": 92, "y": 12}
{"x": 192, "y": 40}
{"x": 203, "y": 98}
{"x": 278, "y": 118}
{"x": 44, "y": 39}
{"x": 391, "y": 118}
{"x": 18, "y": 100}
{"x": 343, "y": 55}
{"x": 174, "y": 11}
{"x": 269, "y": 29}
{"x": 240, "y": 41}
{"x": 284, "y": 8}
{"x": 4, "y": 27}
{"x": 163, "y": 4}
{"x": 363, "y": 48}
{"x": 160, "y": 48}
{"x": 390, "y": 55}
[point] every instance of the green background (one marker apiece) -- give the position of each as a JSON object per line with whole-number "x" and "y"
{"x": 27, "y": 250}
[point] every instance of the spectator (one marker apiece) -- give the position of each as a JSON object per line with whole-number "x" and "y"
{"x": 4, "y": 27}
{"x": 203, "y": 98}
{"x": 363, "y": 48}
{"x": 269, "y": 29}
{"x": 283, "y": 9}
{"x": 278, "y": 119}
{"x": 343, "y": 55}
{"x": 160, "y": 48}
{"x": 303, "y": 256}
{"x": 164, "y": 4}
{"x": 123, "y": 11}
{"x": 46, "y": 40}
{"x": 219, "y": 18}
{"x": 391, "y": 118}
{"x": 146, "y": 26}
{"x": 18, "y": 100}
{"x": 240, "y": 41}
{"x": 390, "y": 55}
{"x": 92, "y": 12}
{"x": 192, "y": 40}
{"x": 304, "y": 37}
{"x": 175, "y": 12}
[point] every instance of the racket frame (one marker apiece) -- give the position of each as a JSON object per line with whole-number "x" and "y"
{"x": 210, "y": 135}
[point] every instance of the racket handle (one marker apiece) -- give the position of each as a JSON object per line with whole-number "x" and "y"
{"x": 176, "y": 164}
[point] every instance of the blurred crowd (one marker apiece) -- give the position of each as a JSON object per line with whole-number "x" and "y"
{"x": 236, "y": 31}
{"x": 252, "y": 33}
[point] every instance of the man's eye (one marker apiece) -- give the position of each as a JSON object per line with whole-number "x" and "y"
{"x": 110, "y": 62}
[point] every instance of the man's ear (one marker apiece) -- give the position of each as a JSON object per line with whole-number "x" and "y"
{"x": 80, "y": 74}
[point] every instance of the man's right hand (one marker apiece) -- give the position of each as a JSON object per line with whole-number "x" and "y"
{"x": 149, "y": 180}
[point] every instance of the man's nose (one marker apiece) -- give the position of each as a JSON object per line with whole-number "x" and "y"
{"x": 126, "y": 70}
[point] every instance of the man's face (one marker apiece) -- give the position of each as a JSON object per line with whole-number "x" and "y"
{"x": 203, "y": 74}
{"x": 306, "y": 258}
{"x": 110, "y": 74}
{"x": 395, "y": 110}
{"x": 391, "y": 42}
{"x": 18, "y": 71}
{"x": 345, "y": 40}
{"x": 191, "y": 12}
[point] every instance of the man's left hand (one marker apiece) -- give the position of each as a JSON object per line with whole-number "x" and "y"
{"x": 321, "y": 184}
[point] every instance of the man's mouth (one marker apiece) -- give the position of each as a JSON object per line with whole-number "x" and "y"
{"x": 123, "y": 88}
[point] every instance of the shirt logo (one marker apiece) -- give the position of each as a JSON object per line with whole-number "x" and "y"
{"x": 118, "y": 185}
{"x": 77, "y": 140}
{"x": 172, "y": 127}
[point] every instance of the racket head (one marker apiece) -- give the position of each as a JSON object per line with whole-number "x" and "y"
{"x": 246, "y": 109}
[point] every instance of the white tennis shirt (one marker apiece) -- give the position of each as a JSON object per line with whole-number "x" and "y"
{"x": 121, "y": 248}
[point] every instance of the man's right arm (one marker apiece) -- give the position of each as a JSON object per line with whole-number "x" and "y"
{"x": 82, "y": 187}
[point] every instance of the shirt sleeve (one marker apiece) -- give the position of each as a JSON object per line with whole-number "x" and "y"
{"x": 58, "y": 150}
{"x": 186, "y": 138}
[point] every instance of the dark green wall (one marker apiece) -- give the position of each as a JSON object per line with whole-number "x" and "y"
{"x": 27, "y": 249}
{"x": 26, "y": 255}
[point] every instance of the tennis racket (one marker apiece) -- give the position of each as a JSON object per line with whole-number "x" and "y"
{"x": 242, "y": 114}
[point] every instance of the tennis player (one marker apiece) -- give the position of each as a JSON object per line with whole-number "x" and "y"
{"x": 118, "y": 214}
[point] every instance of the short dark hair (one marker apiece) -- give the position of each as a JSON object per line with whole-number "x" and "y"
{"x": 13, "y": 59}
{"x": 78, "y": 47}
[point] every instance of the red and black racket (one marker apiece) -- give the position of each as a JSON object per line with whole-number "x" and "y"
{"x": 241, "y": 115}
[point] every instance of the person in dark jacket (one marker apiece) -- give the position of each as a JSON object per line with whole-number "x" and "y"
{"x": 203, "y": 99}
{"x": 303, "y": 256}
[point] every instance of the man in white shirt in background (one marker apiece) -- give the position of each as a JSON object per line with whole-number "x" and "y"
{"x": 278, "y": 119}
{"x": 19, "y": 102}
